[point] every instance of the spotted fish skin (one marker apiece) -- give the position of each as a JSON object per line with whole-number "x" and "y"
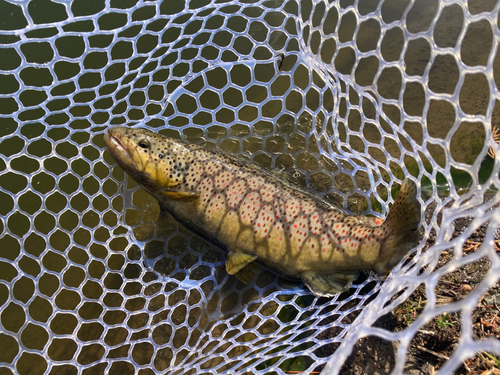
{"x": 255, "y": 215}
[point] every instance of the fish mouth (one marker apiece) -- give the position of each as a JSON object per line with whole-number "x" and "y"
{"x": 113, "y": 142}
{"x": 117, "y": 149}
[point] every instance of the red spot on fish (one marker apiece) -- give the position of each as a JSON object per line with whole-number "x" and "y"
{"x": 281, "y": 239}
{"x": 295, "y": 225}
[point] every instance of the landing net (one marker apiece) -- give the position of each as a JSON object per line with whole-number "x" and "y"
{"x": 345, "y": 98}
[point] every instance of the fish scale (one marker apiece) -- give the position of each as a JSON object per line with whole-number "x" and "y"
{"x": 264, "y": 222}
{"x": 257, "y": 216}
{"x": 235, "y": 193}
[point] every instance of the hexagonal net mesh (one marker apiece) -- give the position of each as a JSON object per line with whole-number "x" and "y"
{"x": 345, "y": 98}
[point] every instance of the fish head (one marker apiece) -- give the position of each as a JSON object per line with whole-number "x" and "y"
{"x": 154, "y": 161}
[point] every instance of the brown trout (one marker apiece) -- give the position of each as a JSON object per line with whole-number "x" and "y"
{"x": 255, "y": 215}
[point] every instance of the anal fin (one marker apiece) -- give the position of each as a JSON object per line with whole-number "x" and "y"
{"x": 180, "y": 195}
{"x": 346, "y": 275}
{"x": 328, "y": 285}
{"x": 237, "y": 260}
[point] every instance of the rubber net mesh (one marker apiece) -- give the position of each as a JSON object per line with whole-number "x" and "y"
{"x": 345, "y": 98}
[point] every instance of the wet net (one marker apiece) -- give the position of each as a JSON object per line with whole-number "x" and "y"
{"x": 344, "y": 98}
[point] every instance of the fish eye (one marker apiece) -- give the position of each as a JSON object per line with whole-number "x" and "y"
{"x": 144, "y": 143}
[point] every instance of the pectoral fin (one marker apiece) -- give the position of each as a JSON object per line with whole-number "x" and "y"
{"x": 247, "y": 273}
{"x": 180, "y": 195}
{"x": 237, "y": 260}
{"x": 328, "y": 285}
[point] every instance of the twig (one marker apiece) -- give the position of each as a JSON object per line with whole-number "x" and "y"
{"x": 495, "y": 133}
{"x": 473, "y": 246}
{"x": 442, "y": 356}
{"x": 426, "y": 332}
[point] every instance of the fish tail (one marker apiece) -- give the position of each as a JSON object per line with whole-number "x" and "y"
{"x": 402, "y": 225}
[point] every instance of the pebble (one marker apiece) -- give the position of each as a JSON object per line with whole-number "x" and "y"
{"x": 466, "y": 288}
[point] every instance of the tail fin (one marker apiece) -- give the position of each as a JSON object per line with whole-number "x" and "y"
{"x": 402, "y": 224}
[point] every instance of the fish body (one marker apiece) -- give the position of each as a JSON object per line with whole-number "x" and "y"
{"x": 256, "y": 216}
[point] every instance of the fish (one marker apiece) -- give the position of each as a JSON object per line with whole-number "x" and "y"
{"x": 256, "y": 216}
